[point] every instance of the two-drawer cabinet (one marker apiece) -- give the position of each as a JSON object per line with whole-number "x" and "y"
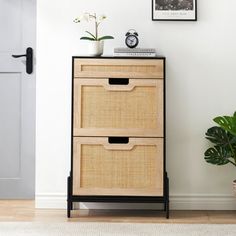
{"x": 118, "y": 131}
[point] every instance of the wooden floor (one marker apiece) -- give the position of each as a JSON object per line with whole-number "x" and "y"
{"x": 12, "y": 210}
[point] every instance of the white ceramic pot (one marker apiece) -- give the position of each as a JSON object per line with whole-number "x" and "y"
{"x": 95, "y": 48}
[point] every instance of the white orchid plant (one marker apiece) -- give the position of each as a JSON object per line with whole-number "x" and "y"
{"x": 88, "y": 17}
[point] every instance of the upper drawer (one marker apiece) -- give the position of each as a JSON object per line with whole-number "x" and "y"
{"x": 102, "y": 108}
{"x": 119, "y": 68}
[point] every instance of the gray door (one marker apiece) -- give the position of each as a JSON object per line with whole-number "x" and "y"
{"x": 17, "y": 100}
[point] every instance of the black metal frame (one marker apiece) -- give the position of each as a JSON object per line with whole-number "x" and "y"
{"x": 195, "y": 19}
{"x": 129, "y": 199}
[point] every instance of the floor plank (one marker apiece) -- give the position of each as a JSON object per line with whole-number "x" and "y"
{"x": 23, "y": 210}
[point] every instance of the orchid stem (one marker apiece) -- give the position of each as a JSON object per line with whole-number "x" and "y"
{"x": 96, "y": 27}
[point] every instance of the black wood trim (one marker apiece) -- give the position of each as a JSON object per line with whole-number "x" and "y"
{"x": 72, "y": 125}
{"x": 129, "y": 199}
{"x": 111, "y": 57}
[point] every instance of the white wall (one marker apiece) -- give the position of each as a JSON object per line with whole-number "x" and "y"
{"x": 201, "y": 82}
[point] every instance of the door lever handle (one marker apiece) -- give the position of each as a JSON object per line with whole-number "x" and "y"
{"x": 29, "y": 60}
{"x": 17, "y": 56}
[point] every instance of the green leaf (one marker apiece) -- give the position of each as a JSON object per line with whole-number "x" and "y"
{"x": 91, "y": 34}
{"x": 105, "y": 37}
{"x": 87, "y": 38}
{"x": 217, "y": 155}
{"x": 219, "y": 136}
{"x": 228, "y": 123}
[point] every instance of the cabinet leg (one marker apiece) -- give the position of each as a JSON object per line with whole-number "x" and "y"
{"x": 166, "y": 207}
{"x": 68, "y": 209}
{"x": 69, "y": 202}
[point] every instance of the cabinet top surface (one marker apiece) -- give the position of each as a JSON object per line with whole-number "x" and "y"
{"x": 113, "y": 57}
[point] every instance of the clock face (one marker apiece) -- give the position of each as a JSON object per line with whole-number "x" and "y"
{"x": 131, "y": 41}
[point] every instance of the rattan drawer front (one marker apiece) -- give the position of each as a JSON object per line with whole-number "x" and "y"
{"x": 101, "y": 109}
{"x": 119, "y": 68}
{"x": 133, "y": 169}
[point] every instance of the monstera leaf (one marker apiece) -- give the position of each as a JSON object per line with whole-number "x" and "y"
{"x": 218, "y": 155}
{"x": 224, "y": 140}
{"x": 219, "y": 136}
{"x": 228, "y": 123}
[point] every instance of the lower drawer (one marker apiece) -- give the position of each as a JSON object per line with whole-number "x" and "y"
{"x": 118, "y": 166}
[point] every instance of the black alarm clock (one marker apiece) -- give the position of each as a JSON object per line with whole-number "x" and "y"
{"x": 131, "y": 38}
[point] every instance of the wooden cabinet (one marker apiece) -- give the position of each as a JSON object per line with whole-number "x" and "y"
{"x": 118, "y": 136}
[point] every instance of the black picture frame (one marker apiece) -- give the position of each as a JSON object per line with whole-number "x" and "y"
{"x": 157, "y": 15}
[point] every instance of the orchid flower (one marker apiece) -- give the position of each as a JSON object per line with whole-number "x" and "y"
{"x": 97, "y": 20}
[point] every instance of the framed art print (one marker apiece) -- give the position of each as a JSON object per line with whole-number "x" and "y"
{"x": 174, "y": 10}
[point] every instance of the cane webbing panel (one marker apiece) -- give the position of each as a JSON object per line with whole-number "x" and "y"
{"x": 135, "y": 169}
{"x": 119, "y": 68}
{"x": 119, "y": 109}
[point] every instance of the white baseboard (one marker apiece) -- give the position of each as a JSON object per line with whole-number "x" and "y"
{"x": 203, "y": 202}
{"x": 177, "y": 202}
{"x": 51, "y": 201}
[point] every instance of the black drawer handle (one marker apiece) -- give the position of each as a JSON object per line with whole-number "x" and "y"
{"x": 118, "y": 81}
{"x": 118, "y": 140}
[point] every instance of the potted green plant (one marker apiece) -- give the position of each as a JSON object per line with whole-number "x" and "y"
{"x": 223, "y": 138}
{"x": 96, "y": 42}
